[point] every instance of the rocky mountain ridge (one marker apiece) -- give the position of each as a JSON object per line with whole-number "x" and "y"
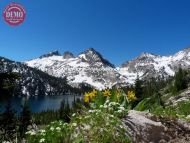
{"x": 90, "y": 67}
{"x": 33, "y": 82}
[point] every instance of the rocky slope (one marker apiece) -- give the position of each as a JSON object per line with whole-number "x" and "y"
{"x": 143, "y": 127}
{"x": 149, "y": 65}
{"x": 90, "y": 67}
{"x": 32, "y": 81}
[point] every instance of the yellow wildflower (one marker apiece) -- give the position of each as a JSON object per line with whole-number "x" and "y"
{"x": 90, "y": 96}
{"x": 118, "y": 93}
{"x": 106, "y": 93}
{"x": 86, "y": 97}
{"x": 94, "y": 92}
{"x": 131, "y": 96}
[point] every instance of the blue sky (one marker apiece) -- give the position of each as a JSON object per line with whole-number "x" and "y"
{"x": 119, "y": 29}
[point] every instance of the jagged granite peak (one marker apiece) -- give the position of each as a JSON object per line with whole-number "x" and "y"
{"x": 149, "y": 65}
{"x": 91, "y": 68}
{"x": 186, "y": 49}
{"x": 93, "y": 57}
{"x": 68, "y": 55}
{"x": 50, "y": 54}
{"x": 148, "y": 55}
{"x": 143, "y": 57}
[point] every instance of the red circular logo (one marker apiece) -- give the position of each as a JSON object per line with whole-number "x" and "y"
{"x": 14, "y": 14}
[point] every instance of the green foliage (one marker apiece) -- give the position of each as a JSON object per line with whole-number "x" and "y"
{"x": 100, "y": 125}
{"x": 7, "y": 83}
{"x": 25, "y": 119}
{"x": 149, "y": 103}
{"x": 138, "y": 88}
{"x": 180, "y": 82}
{"x": 181, "y": 110}
{"x": 8, "y": 124}
{"x": 45, "y": 117}
{"x": 153, "y": 86}
{"x": 65, "y": 111}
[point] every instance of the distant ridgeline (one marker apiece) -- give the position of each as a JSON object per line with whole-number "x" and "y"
{"x": 56, "y": 74}
{"x": 20, "y": 80}
{"x": 92, "y": 68}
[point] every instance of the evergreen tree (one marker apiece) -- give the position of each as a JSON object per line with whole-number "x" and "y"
{"x": 7, "y": 83}
{"x": 8, "y": 124}
{"x": 138, "y": 88}
{"x": 64, "y": 111}
{"x": 138, "y": 91}
{"x": 25, "y": 119}
{"x": 180, "y": 81}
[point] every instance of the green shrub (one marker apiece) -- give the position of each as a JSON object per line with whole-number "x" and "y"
{"x": 100, "y": 124}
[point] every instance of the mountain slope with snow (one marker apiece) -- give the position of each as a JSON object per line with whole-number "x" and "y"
{"x": 33, "y": 82}
{"x": 91, "y": 68}
{"x": 88, "y": 67}
{"x": 149, "y": 65}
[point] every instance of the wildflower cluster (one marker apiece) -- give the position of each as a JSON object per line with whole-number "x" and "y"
{"x": 131, "y": 96}
{"x": 102, "y": 116}
{"x": 106, "y": 93}
{"x": 84, "y": 127}
{"x": 104, "y": 121}
{"x": 52, "y": 133}
{"x": 115, "y": 95}
{"x": 113, "y": 108}
{"x": 89, "y": 96}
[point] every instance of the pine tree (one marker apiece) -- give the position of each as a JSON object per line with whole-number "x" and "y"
{"x": 25, "y": 119}
{"x": 64, "y": 111}
{"x": 180, "y": 81}
{"x": 138, "y": 91}
{"x": 8, "y": 124}
{"x": 138, "y": 88}
{"x": 7, "y": 83}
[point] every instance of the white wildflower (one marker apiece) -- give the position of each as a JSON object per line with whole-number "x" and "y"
{"x": 58, "y": 129}
{"x": 90, "y": 111}
{"x": 107, "y": 101}
{"x": 188, "y": 117}
{"x": 42, "y": 131}
{"x": 111, "y": 116}
{"x": 122, "y": 108}
{"x": 42, "y": 140}
{"x": 60, "y": 123}
{"x": 52, "y": 128}
{"x": 32, "y": 132}
{"x": 119, "y": 111}
{"x": 105, "y": 106}
{"x": 86, "y": 127}
{"x": 74, "y": 124}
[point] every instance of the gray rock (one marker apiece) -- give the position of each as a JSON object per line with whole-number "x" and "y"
{"x": 145, "y": 128}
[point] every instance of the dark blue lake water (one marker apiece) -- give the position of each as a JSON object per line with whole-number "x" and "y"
{"x": 40, "y": 103}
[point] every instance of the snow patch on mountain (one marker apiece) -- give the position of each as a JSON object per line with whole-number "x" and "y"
{"x": 91, "y": 68}
{"x": 88, "y": 67}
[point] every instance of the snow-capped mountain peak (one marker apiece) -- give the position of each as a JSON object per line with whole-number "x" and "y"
{"x": 94, "y": 58}
{"x": 90, "y": 67}
{"x": 68, "y": 55}
{"x": 53, "y": 53}
{"x": 147, "y": 55}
